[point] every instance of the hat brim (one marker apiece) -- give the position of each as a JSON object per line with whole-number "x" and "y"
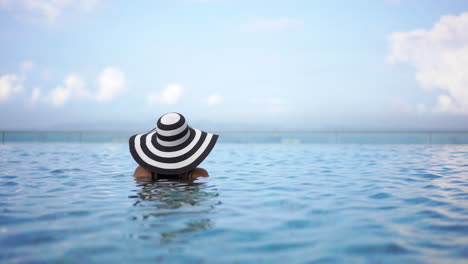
{"x": 150, "y": 154}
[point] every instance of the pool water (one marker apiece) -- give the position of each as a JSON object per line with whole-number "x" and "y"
{"x": 263, "y": 203}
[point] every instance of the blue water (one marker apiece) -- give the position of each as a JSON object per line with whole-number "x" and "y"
{"x": 340, "y": 137}
{"x": 263, "y": 203}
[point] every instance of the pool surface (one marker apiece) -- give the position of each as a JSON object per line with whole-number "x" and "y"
{"x": 263, "y": 203}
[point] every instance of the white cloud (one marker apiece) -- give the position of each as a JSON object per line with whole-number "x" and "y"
{"x": 399, "y": 105}
{"x": 36, "y": 94}
{"x": 111, "y": 83}
{"x": 9, "y": 85}
{"x": 59, "y": 96}
{"x": 271, "y": 24}
{"x": 272, "y": 104}
{"x": 445, "y": 104}
{"x": 214, "y": 99}
{"x": 170, "y": 95}
{"x": 47, "y": 11}
{"x": 27, "y": 66}
{"x": 77, "y": 86}
{"x": 440, "y": 57}
{"x": 73, "y": 86}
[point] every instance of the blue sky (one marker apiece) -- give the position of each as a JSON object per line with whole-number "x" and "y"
{"x": 234, "y": 64}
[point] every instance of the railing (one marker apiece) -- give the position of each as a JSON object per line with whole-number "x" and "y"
{"x": 284, "y": 137}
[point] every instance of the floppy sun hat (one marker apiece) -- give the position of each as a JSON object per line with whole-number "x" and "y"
{"x": 172, "y": 147}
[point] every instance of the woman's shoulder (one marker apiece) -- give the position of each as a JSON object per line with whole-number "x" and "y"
{"x": 194, "y": 174}
{"x": 142, "y": 172}
{"x": 199, "y": 172}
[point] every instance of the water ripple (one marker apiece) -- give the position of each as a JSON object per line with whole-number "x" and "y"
{"x": 297, "y": 203}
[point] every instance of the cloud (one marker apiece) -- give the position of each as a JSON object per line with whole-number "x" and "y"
{"x": 214, "y": 99}
{"x": 47, "y": 11}
{"x": 170, "y": 95}
{"x": 272, "y": 104}
{"x": 36, "y": 94}
{"x": 111, "y": 83}
{"x": 73, "y": 86}
{"x": 445, "y": 104}
{"x": 271, "y": 24}
{"x": 440, "y": 57}
{"x": 399, "y": 105}
{"x": 59, "y": 96}
{"x": 27, "y": 66}
{"x": 9, "y": 85}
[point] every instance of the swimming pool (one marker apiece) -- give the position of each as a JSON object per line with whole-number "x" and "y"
{"x": 264, "y": 203}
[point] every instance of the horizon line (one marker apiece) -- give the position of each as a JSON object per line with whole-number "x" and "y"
{"x": 244, "y": 131}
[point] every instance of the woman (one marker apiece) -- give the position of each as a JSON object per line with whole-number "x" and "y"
{"x": 171, "y": 150}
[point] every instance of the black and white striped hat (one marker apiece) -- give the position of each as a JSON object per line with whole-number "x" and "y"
{"x": 172, "y": 147}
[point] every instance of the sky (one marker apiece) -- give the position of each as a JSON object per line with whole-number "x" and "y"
{"x": 234, "y": 64}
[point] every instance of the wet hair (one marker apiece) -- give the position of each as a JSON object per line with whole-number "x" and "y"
{"x": 183, "y": 176}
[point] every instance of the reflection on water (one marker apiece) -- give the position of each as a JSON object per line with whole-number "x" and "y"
{"x": 174, "y": 207}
